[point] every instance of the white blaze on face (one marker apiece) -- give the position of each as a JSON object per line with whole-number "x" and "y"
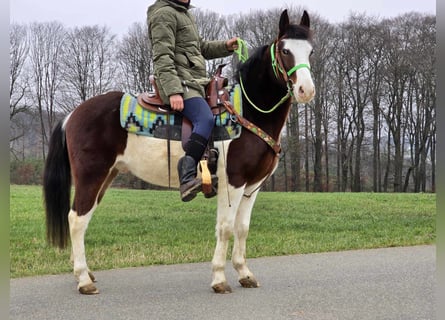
{"x": 304, "y": 89}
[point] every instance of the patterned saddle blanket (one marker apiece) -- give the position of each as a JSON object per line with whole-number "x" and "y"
{"x": 138, "y": 120}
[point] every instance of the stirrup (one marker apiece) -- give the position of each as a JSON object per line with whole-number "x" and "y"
{"x": 214, "y": 186}
{"x": 206, "y": 177}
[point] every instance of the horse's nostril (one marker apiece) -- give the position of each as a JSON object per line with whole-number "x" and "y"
{"x": 301, "y": 90}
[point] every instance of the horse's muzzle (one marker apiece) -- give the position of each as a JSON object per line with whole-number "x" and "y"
{"x": 304, "y": 93}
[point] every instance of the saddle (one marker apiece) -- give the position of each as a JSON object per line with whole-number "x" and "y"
{"x": 216, "y": 96}
{"x": 152, "y": 100}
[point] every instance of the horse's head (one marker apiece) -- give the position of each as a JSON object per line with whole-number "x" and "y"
{"x": 290, "y": 54}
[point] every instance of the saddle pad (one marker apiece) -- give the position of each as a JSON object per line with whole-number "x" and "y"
{"x": 138, "y": 120}
{"x": 225, "y": 120}
{"x": 135, "y": 119}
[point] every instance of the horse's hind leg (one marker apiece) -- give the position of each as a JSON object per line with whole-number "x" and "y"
{"x": 241, "y": 231}
{"x": 78, "y": 226}
{"x": 85, "y": 202}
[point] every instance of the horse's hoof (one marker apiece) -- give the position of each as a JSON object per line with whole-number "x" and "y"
{"x": 92, "y": 277}
{"x": 222, "y": 288}
{"x": 249, "y": 282}
{"x": 88, "y": 289}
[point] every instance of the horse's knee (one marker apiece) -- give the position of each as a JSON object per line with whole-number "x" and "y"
{"x": 242, "y": 230}
{"x": 224, "y": 230}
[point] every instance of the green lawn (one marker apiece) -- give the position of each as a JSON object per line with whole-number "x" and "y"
{"x": 140, "y": 227}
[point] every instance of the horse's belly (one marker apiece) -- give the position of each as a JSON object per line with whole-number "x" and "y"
{"x": 146, "y": 158}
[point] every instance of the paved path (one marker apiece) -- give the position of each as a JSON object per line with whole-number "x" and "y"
{"x": 394, "y": 283}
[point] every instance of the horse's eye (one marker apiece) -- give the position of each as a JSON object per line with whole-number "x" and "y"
{"x": 285, "y": 51}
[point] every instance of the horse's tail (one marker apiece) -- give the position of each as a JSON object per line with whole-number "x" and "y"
{"x": 57, "y": 189}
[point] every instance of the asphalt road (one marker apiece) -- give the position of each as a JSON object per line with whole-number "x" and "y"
{"x": 393, "y": 283}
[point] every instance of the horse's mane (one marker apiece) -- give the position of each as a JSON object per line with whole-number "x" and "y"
{"x": 251, "y": 62}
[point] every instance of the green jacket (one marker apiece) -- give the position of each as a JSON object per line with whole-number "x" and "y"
{"x": 179, "y": 52}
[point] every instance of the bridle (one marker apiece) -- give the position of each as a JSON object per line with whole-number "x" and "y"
{"x": 278, "y": 67}
{"x": 280, "y": 73}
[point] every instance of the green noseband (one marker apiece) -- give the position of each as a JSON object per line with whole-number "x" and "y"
{"x": 297, "y": 67}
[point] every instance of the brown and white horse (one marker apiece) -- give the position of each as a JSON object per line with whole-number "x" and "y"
{"x": 90, "y": 147}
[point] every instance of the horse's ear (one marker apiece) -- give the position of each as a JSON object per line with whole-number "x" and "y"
{"x": 284, "y": 23}
{"x": 305, "y": 19}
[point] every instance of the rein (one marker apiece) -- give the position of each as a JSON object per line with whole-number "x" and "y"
{"x": 275, "y": 146}
{"x": 287, "y": 96}
{"x": 243, "y": 55}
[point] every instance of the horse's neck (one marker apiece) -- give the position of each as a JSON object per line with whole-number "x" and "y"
{"x": 265, "y": 94}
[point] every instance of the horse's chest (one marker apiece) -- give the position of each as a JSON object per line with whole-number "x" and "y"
{"x": 249, "y": 162}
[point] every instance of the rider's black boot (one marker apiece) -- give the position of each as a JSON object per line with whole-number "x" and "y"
{"x": 189, "y": 184}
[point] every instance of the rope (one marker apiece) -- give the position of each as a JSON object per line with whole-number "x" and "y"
{"x": 243, "y": 55}
{"x": 287, "y": 96}
{"x": 242, "y": 51}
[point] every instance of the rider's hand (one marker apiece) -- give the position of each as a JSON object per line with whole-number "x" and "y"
{"x": 232, "y": 44}
{"x": 176, "y": 102}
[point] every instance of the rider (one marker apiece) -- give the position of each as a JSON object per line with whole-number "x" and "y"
{"x": 179, "y": 55}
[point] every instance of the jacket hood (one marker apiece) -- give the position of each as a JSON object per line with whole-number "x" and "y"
{"x": 170, "y": 3}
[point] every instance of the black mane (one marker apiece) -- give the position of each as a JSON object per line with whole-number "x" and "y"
{"x": 251, "y": 63}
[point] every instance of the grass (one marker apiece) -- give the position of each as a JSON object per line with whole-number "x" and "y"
{"x": 140, "y": 227}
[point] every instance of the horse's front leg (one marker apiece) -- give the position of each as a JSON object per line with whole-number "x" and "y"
{"x": 227, "y": 206}
{"x": 78, "y": 227}
{"x": 241, "y": 231}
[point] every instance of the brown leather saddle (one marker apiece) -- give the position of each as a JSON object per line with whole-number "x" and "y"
{"x": 216, "y": 95}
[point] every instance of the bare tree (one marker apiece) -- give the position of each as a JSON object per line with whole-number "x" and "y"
{"x": 18, "y": 51}
{"x": 321, "y": 69}
{"x": 420, "y": 99}
{"x": 135, "y": 59}
{"x": 397, "y": 78}
{"x": 358, "y": 84}
{"x": 340, "y": 100}
{"x": 46, "y": 49}
{"x": 18, "y": 83}
{"x": 89, "y": 67}
{"x": 212, "y": 26}
{"x": 376, "y": 61}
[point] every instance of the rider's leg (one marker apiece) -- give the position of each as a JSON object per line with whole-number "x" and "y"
{"x": 198, "y": 112}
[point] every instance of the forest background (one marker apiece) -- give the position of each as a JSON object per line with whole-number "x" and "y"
{"x": 371, "y": 127}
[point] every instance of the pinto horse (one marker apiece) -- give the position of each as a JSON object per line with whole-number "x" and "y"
{"x": 90, "y": 147}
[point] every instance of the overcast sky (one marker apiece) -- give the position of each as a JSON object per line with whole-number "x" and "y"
{"x": 119, "y": 15}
